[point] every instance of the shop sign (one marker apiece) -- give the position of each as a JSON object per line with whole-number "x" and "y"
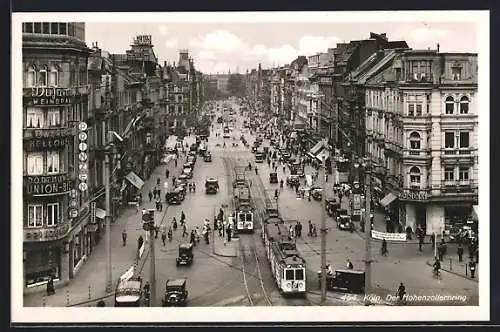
{"x": 30, "y": 133}
{"x": 73, "y": 213}
{"x": 92, "y": 212}
{"x": 414, "y": 196}
{"x": 43, "y": 143}
{"x": 51, "y": 96}
{"x": 325, "y": 80}
{"x": 47, "y": 185}
{"x": 389, "y": 236}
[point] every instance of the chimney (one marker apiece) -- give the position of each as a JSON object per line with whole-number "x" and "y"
{"x": 438, "y": 47}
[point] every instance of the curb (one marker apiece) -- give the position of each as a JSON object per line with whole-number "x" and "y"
{"x": 429, "y": 263}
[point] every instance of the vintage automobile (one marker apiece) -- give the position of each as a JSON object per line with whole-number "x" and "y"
{"x": 340, "y": 212}
{"x": 331, "y": 206}
{"x": 185, "y": 254}
{"x": 292, "y": 180}
{"x": 175, "y": 293}
{"x": 273, "y": 177}
{"x": 188, "y": 171}
{"x": 207, "y": 157}
{"x": 345, "y": 223}
{"x": 182, "y": 180}
{"x": 211, "y": 186}
{"x": 202, "y": 150}
{"x": 351, "y": 281}
{"x": 176, "y": 196}
{"x": 284, "y": 156}
{"x": 316, "y": 193}
{"x": 128, "y": 293}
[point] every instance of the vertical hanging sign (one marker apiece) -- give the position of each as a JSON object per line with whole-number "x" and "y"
{"x": 82, "y": 156}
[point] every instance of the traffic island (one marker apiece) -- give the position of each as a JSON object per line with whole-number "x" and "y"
{"x": 224, "y": 248}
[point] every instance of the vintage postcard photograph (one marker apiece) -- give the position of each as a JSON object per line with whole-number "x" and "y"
{"x": 250, "y": 167}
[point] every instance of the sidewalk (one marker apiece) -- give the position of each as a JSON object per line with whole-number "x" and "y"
{"x": 90, "y": 281}
{"x": 228, "y": 249}
{"x": 451, "y": 264}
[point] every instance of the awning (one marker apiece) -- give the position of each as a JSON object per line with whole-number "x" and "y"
{"x": 100, "y": 213}
{"x": 315, "y": 149}
{"x": 135, "y": 180}
{"x": 388, "y": 199}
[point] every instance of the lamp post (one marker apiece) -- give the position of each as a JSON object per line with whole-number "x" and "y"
{"x": 368, "y": 225}
{"x": 107, "y": 171}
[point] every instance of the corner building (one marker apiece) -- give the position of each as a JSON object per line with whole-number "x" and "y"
{"x": 55, "y": 100}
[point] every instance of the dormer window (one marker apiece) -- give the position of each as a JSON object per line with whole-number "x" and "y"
{"x": 456, "y": 72}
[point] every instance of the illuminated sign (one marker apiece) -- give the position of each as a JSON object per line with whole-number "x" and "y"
{"x": 43, "y": 143}
{"x": 47, "y": 185}
{"x": 51, "y": 96}
{"x": 143, "y": 40}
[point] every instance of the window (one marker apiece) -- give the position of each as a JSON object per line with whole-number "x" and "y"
{"x": 449, "y": 140}
{"x": 463, "y": 174}
{"x": 54, "y": 28}
{"x": 38, "y": 27}
{"x": 414, "y": 176}
{"x": 449, "y": 105}
{"x": 464, "y": 139}
{"x": 28, "y": 27}
{"x": 31, "y": 79}
{"x": 52, "y": 214}
{"x": 54, "y": 76}
{"x": 34, "y": 118}
{"x": 414, "y": 141}
{"x": 299, "y": 274}
{"x": 62, "y": 28}
{"x": 411, "y": 110}
{"x": 35, "y": 164}
{"x": 449, "y": 174}
{"x": 42, "y": 77}
{"x": 419, "y": 109}
{"x": 53, "y": 162}
{"x": 53, "y": 117}
{"x": 464, "y": 105}
{"x": 46, "y": 27}
{"x": 456, "y": 73}
{"x": 289, "y": 275}
{"x": 35, "y": 213}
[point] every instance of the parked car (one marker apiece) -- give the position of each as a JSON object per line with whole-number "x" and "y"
{"x": 292, "y": 180}
{"x": 352, "y": 281}
{"x": 273, "y": 177}
{"x": 185, "y": 254}
{"x": 345, "y": 223}
{"x": 208, "y": 157}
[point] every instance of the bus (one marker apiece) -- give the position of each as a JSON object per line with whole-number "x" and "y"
{"x": 343, "y": 166}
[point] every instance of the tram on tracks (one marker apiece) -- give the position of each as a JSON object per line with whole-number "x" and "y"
{"x": 244, "y": 211}
{"x": 287, "y": 265}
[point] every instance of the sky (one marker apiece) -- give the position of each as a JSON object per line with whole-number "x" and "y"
{"x": 219, "y": 47}
{"x": 222, "y": 46}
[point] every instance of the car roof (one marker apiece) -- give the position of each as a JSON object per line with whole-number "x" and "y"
{"x": 185, "y": 245}
{"x": 176, "y": 282}
{"x": 350, "y": 271}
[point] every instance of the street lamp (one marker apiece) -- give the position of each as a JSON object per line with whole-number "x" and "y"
{"x": 323, "y": 235}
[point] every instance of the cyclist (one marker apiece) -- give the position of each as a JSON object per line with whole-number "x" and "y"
{"x": 436, "y": 266}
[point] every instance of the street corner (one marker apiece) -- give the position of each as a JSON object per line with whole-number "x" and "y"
{"x": 459, "y": 269}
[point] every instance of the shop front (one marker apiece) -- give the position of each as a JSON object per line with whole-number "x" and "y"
{"x": 42, "y": 262}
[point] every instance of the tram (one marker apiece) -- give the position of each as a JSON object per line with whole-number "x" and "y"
{"x": 244, "y": 211}
{"x": 287, "y": 265}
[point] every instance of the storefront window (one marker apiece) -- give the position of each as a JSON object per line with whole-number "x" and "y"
{"x": 35, "y": 214}
{"x": 52, "y": 214}
{"x": 35, "y": 164}
{"x": 40, "y": 265}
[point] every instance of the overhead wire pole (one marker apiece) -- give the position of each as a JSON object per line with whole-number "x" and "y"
{"x": 368, "y": 228}
{"x": 323, "y": 236}
{"x": 107, "y": 171}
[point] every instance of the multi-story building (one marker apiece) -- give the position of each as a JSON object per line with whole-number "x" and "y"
{"x": 422, "y": 125}
{"x": 55, "y": 105}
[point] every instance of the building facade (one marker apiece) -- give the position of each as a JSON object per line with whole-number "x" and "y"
{"x": 422, "y": 126}
{"x": 55, "y": 107}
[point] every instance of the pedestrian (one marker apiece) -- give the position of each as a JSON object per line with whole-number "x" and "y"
{"x": 384, "y": 250}
{"x": 401, "y": 291}
{"x": 175, "y": 162}
{"x": 189, "y": 187}
{"x": 167, "y": 173}
{"x": 144, "y": 211}
{"x": 174, "y": 224}
{"x": 433, "y": 240}
{"x": 274, "y": 164}
{"x": 310, "y": 227}
{"x": 150, "y": 194}
{"x": 276, "y": 193}
{"x": 460, "y": 252}
{"x": 124, "y": 237}
{"x": 157, "y": 229}
{"x": 284, "y": 169}
{"x": 420, "y": 243}
{"x": 184, "y": 230}
{"x": 140, "y": 242}
{"x": 50, "y": 286}
{"x": 472, "y": 268}
{"x": 183, "y": 217}
{"x": 173, "y": 181}
{"x": 137, "y": 206}
{"x": 194, "y": 187}
{"x": 299, "y": 227}
{"x": 192, "y": 237}
{"x": 228, "y": 232}
{"x": 160, "y": 204}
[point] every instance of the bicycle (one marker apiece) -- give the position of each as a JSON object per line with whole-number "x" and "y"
{"x": 436, "y": 273}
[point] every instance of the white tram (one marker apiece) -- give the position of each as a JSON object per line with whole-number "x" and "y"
{"x": 244, "y": 212}
{"x": 287, "y": 266}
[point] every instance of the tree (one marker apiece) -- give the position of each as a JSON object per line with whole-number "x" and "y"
{"x": 236, "y": 84}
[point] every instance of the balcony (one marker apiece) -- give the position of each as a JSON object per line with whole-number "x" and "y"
{"x": 460, "y": 155}
{"x": 417, "y": 120}
{"x": 417, "y": 153}
{"x": 459, "y": 187}
{"x": 46, "y": 233}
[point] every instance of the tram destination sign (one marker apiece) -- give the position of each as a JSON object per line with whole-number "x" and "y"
{"x": 47, "y": 185}
{"x": 50, "y": 95}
